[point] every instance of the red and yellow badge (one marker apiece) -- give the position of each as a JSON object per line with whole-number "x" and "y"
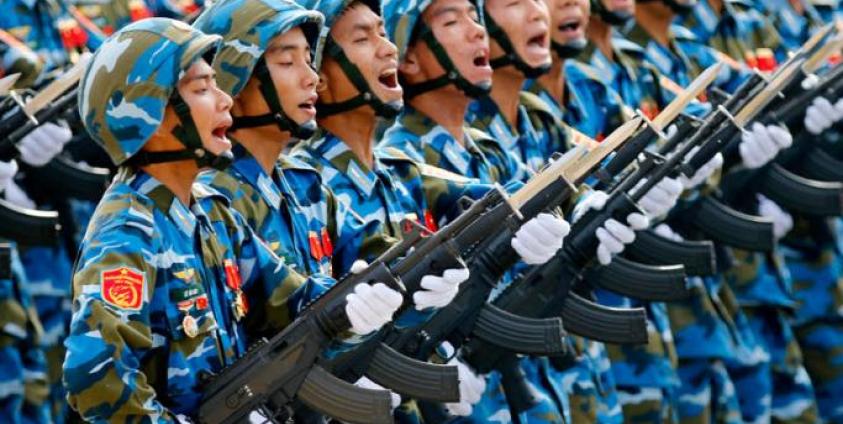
{"x": 123, "y": 287}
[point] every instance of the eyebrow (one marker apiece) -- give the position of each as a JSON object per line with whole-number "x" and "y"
{"x": 286, "y": 47}
{"x": 206, "y": 76}
{"x": 367, "y": 26}
{"x": 450, "y": 9}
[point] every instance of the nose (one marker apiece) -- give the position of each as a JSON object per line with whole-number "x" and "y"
{"x": 387, "y": 49}
{"x": 537, "y": 11}
{"x": 224, "y": 101}
{"x": 310, "y": 79}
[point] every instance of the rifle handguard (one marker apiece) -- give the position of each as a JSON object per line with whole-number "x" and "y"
{"x": 696, "y": 256}
{"x": 653, "y": 283}
{"x": 723, "y": 224}
{"x": 534, "y": 336}
{"x": 331, "y": 396}
{"x": 602, "y": 323}
{"x": 413, "y": 378}
{"x": 800, "y": 194}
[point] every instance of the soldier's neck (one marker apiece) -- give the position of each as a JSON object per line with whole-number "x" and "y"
{"x": 445, "y": 106}
{"x": 716, "y": 6}
{"x": 176, "y": 176}
{"x": 264, "y": 143}
{"x": 554, "y": 81}
{"x": 600, "y": 33}
{"x": 506, "y": 87}
{"x": 655, "y": 17}
{"x": 356, "y": 128}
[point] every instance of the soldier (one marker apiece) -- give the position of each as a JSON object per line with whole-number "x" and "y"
{"x": 170, "y": 278}
{"x": 384, "y": 184}
{"x": 678, "y": 54}
{"x": 776, "y": 386}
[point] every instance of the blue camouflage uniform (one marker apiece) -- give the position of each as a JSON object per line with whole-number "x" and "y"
{"x": 592, "y": 108}
{"x": 50, "y": 30}
{"x": 773, "y": 382}
{"x": 156, "y": 292}
{"x": 24, "y": 386}
{"x": 706, "y": 391}
{"x": 534, "y": 138}
{"x": 480, "y": 157}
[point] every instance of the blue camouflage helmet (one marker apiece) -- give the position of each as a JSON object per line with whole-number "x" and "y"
{"x": 247, "y": 27}
{"x": 131, "y": 79}
{"x": 333, "y": 10}
{"x": 402, "y": 19}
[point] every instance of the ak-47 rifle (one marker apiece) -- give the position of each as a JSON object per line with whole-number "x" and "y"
{"x": 275, "y": 372}
{"x": 791, "y": 191}
{"x": 497, "y": 215}
{"x": 544, "y": 291}
{"x": 48, "y": 104}
{"x": 283, "y": 369}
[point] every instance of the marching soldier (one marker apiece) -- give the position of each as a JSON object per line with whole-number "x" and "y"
{"x": 169, "y": 278}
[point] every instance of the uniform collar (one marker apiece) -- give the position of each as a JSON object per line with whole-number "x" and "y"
{"x": 441, "y": 141}
{"x": 163, "y": 199}
{"x": 337, "y": 153}
{"x": 248, "y": 167}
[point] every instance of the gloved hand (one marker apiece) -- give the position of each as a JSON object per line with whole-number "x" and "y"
{"x": 821, "y": 115}
{"x": 17, "y": 196}
{"x": 782, "y": 221}
{"x": 613, "y": 235}
{"x": 539, "y": 238}
{"x": 472, "y": 387}
{"x": 439, "y": 291}
{"x": 661, "y": 198}
{"x": 369, "y": 307}
{"x": 365, "y": 383}
{"x": 44, "y": 143}
{"x": 7, "y": 173}
{"x": 703, "y": 173}
{"x": 762, "y": 143}
{"x": 665, "y": 231}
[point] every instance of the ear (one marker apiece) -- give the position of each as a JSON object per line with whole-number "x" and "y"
{"x": 322, "y": 85}
{"x": 410, "y": 64}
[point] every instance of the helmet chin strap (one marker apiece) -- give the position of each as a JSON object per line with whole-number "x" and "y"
{"x": 511, "y": 57}
{"x": 681, "y": 9}
{"x": 452, "y": 74}
{"x": 276, "y": 113}
{"x": 366, "y": 96}
{"x": 188, "y": 135}
{"x": 570, "y": 49}
{"x": 610, "y": 17}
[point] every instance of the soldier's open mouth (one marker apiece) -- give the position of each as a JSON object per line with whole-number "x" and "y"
{"x": 570, "y": 26}
{"x": 389, "y": 79}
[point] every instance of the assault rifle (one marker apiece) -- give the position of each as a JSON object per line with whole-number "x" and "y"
{"x": 545, "y": 291}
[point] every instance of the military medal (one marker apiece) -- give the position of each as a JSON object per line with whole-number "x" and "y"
{"x": 191, "y": 327}
{"x": 232, "y": 280}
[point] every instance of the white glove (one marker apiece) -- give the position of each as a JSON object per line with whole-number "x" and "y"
{"x": 762, "y": 143}
{"x": 17, "y": 196}
{"x": 661, "y": 198}
{"x": 539, "y": 238}
{"x": 821, "y": 115}
{"x": 613, "y": 235}
{"x": 472, "y": 387}
{"x": 439, "y": 291}
{"x": 665, "y": 231}
{"x": 44, "y": 143}
{"x": 365, "y": 383}
{"x": 703, "y": 173}
{"x": 371, "y": 306}
{"x": 7, "y": 173}
{"x": 782, "y": 221}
